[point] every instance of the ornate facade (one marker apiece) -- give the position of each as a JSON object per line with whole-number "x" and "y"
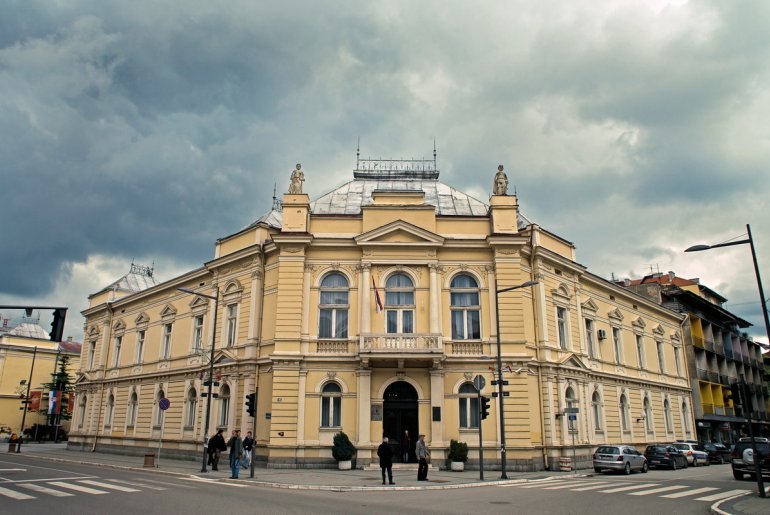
{"x": 370, "y": 310}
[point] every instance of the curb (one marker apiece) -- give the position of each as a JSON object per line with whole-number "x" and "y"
{"x": 327, "y": 488}
{"x": 716, "y": 508}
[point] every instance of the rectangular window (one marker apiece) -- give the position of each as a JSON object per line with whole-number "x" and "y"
{"x": 331, "y": 411}
{"x": 661, "y": 361}
{"x": 466, "y": 325}
{"x": 118, "y": 345}
{"x": 166, "y": 347}
{"x": 391, "y": 321}
{"x": 618, "y": 344}
{"x": 333, "y": 323}
{"x": 198, "y": 333}
{"x": 408, "y": 321}
{"x": 469, "y": 412}
{"x": 561, "y": 322}
{"x": 640, "y": 351}
{"x": 139, "y": 346}
{"x": 232, "y": 311}
{"x": 590, "y": 338}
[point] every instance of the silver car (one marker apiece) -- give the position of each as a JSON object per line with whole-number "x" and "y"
{"x": 695, "y": 454}
{"x": 621, "y": 458}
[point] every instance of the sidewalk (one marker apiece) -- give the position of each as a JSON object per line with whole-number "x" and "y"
{"x": 342, "y": 481}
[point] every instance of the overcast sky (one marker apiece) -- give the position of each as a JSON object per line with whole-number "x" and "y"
{"x": 145, "y": 130}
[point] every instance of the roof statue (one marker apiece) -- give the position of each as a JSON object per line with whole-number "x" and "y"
{"x": 500, "y": 184}
{"x": 297, "y": 178}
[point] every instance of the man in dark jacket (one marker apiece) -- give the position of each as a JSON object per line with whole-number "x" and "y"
{"x": 236, "y": 453}
{"x": 386, "y": 460}
{"x": 216, "y": 446}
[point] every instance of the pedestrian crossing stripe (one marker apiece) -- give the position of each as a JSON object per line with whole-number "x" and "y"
{"x": 659, "y": 490}
{"x": 14, "y": 494}
{"x": 723, "y": 495}
{"x": 78, "y": 488}
{"x": 690, "y": 492}
{"x": 109, "y": 486}
{"x": 628, "y": 487}
{"x": 44, "y": 490}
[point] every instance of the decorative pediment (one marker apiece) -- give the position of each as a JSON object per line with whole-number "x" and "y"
{"x": 198, "y": 304}
{"x": 399, "y": 233}
{"x": 92, "y": 332}
{"x": 232, "y": 286}
{"x": 168, "y": 311}
{"x": 639, "y": 323}
{"x": 224, "y": 356}
{"x": 590, "y": 306}
{"x": 615, "y": 314}
{"x": 142, "y": 319}
{"x": 573, "y": 361}
{"x": 119, "y": 326}
{"x": 676, "y": 339}
{"x": 561, "y": 293}
{"x": 658, "y": 330}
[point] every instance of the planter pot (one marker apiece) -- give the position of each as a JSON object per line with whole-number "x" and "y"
{"x": 345, "y": 464}
{"x": 457, "y": 466}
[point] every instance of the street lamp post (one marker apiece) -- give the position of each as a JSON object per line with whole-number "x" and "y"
{"x": 500, "y": 382}
{"x": 750, "y": 241}
{"x": 26, "y": 401}
{"x": 215, "y": 297}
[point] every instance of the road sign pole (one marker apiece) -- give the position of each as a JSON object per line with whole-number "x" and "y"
{"x": 163, "y": 405}
{"x": 481, "y": 442}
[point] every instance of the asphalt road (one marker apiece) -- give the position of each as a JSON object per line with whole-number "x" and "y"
{"x": 63, "y": 488}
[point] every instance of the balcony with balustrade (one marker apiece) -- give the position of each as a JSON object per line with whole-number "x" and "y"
{"x": 406, "y": 346}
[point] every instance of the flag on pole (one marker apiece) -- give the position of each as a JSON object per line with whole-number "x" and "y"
{"x": 377, "y": 299}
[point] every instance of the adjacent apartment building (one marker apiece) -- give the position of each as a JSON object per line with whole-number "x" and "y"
{"x": 719, "y": 354}
{"x": 370, "y": 310}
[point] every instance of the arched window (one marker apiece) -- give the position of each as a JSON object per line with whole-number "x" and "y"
{"x": 333, "y": 305}
{"x": 192, "y": 407}
{"x": 399, "y": 304}
{"x": 596, "y": 406}
{"x": 624, "y": 413}
{"x": 224, "y": 405}
{"x": 647, "y": 414}
{"x": 464, "y": 298}
{"x": 667, "y": 415}
{"x": 158, "y": 411}
{"x": 110, "y": 411}
{"x": 331, "y": 405}
{"x": 83, "y": 404}
{"x": 469, "y": 406}
{"x": 133, "y": 404}
{"x": 685, "y": 418}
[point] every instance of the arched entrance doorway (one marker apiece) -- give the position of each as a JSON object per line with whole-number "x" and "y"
{"x": 399, "y": 415}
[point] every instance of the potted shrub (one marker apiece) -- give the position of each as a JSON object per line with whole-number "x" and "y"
{"x": 458, "y": 455}
{"x": 343, "y": 451}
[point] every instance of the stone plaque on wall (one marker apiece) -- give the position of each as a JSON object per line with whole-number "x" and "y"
{"x": 377, "y": 412}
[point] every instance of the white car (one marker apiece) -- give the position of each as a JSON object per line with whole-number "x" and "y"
{"x": 695, "y": 454}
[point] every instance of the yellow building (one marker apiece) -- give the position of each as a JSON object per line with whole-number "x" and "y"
{"x": 370, "y": 310}
{"x": 18, "y": 346}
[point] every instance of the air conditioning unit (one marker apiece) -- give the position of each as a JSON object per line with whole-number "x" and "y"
{"x": 602, "y": 334}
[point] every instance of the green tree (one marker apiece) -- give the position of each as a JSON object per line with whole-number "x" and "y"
{"x": 62, "y": 381}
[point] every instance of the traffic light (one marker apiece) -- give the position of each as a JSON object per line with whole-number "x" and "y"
{"x": 57, "y": 326}
{"x": 484, "y": 407}
{"x": 251, "y": 404}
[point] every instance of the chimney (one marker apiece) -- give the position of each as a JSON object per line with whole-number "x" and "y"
{"x": 671, "y": 275}
{"x": 69, "y": 339}
{"x": 626, "y": 282}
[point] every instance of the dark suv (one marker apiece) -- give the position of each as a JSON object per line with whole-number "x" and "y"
{"x": 743, "y": 457}
{"x": 718, "y": 453}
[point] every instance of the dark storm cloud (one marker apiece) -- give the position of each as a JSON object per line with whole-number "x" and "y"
{"x": 152, "y": 128}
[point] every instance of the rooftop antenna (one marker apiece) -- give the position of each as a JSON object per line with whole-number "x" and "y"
{"x": 358, "y": 151}
{"x": 434, "y": 153}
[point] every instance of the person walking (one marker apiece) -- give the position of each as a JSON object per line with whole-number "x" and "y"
{"x": 248, "y": 445}
{"x": 216, "y": 446}
{"x": 422, "y": 457}
{"x": 385, "y": 452}
{"x": 406, "y": 444}
{"x": 235, "y": 444}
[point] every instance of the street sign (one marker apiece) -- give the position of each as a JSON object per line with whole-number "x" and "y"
{"x": 164, "y": 404}
{"x": 573, "y": 417}
{"x": 479, "y": 382}
{"x": 572, "y": 410}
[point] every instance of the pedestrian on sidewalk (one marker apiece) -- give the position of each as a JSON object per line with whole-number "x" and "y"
{"x": 236, "y": 453}
{"x": 248, "y": 445}
{"x": 216, "y": 446}
{"x": 422, "y": 457}
{"x": 406, "y": 444}
{"x": 385, "y": 452}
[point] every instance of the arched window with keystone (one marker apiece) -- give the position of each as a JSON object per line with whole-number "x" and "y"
{"x": 464, "y": 297}
{"x": 333, "y": 306}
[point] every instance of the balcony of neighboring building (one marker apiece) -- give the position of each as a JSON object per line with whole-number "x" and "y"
{"x": 401, "y": 345}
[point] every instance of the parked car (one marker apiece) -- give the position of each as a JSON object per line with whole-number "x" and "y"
{"x": 695, "y": 454}
{"x": 743, "y": 457}
{"x": 621, "y": 458}
{"x": 665, "y": 456}
{"x": 718, "y": 453}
